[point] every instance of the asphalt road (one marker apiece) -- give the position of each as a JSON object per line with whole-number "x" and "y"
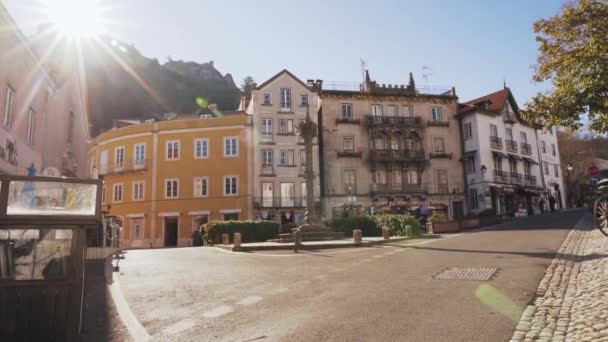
{"x": 386, "y": 293}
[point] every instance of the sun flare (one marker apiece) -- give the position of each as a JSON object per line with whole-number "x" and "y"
{"x": 76, "y": 18}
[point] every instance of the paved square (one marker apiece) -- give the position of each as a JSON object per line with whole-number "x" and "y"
{"x": 467, "y": 273}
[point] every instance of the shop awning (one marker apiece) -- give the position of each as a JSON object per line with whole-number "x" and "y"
{"x": 534, "y": 191}
{"x": 468, "y": 155}
{"x": 530, "y": 160}
{"x": 499, "y": 154}
{"x": 514, "y": 156}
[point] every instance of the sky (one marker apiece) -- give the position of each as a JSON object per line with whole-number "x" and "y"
{"x": 471, "y": 45}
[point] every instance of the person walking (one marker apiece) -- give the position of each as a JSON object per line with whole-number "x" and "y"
{"x": 552, "y": 203}
{"x": 541, "y": 205}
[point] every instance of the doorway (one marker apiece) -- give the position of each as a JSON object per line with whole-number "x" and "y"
{"x": 171, "y": 231}
{"x": 458, "y": 210}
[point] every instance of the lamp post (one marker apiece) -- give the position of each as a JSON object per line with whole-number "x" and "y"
{"x": 569, "y": 169}
{"x": 483, "y": 170}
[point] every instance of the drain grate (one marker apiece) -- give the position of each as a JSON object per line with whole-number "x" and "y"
{"x": 467, "y": 273}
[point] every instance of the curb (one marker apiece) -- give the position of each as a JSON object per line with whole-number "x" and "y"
{"x": 308, "y": 246}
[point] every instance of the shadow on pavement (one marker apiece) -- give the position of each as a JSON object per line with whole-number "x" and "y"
{"x": 558, "y": 220}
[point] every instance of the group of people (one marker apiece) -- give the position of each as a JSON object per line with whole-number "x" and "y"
{"x": 541, "y": 204}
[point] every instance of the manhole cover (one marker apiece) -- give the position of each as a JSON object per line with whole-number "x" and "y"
{"x": 467, "y": 273}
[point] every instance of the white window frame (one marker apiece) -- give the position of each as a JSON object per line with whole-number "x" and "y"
{"x": 31, "y": 126}
{"x": 437, "y": 113}
{"x": 167, "y": 150}
{"x": 380, "y": 175}
{"x": 347, "y": 111}
{"x": 408, "y": 111}
{"x": 442, "y": 140}
{"x": 285, "y": 96}
{"x": 176, "y": 180}
{"x": 409, "y": 178}
{"x": 396, "y": 175}
{"x": 303, "y": 102}
{"x": 198, "y": 194}
{"x": 138, "y": 163}
{"x": 8, "y": 106}
{"x": 121, "y": 165}
{"x": 236, "y": 177}
{"x": 377, "y": 110}
{"x": 103, "y": 167}
{"x": 392, "y": 108}
{"x": 543, "y": 146}
{"x": 523, "y": 137}
{"x": 230, "y": 155}
{"x": 264, "y": 96}
{"x": 352, "y": 138}
{"x": 135, "y": 192}
{"x": 493, "y": 131}
{"x": 204, "y": 143}
{"x": 469, "y": 165}
{"x": 122, "y": 192}
{"x": 265, "y": 153}
{"x": 286, "y": 126}
{"x": 468, "y": 130}
{"x": 553, "y": 150}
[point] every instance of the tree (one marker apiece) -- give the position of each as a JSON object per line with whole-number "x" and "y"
{"x": 247, "y": 84}
{"x": 573, "y": 56}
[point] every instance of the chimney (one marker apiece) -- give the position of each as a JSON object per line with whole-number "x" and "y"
{"x": 411, "y": 83}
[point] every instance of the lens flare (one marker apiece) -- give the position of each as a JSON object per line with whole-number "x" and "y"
{"x": 493, "y": 298}
{"x": 76, "y": 18}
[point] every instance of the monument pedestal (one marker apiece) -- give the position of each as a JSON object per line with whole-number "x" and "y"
{"x": 312, "y": 232}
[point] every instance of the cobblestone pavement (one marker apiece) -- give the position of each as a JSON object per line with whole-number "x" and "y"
{"x": 571, "y": 302}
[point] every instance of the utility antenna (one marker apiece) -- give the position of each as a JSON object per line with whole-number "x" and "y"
{"x": 363, "y": 67}
{"x": 426, "y": 72}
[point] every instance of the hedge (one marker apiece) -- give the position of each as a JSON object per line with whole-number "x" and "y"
{"x": 438, "y": 218}
{"x": 367, "y": 224}
{"x": 251, "y": 231}
{"x": 396, "y": 224}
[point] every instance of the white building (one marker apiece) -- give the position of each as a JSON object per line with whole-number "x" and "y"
{"x": 278, "y": 106}
{"x": 552, "y": 178}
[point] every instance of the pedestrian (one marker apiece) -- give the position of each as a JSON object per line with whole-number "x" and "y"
{"x": 541, "y": 205}
{"x": 552, "y": 203}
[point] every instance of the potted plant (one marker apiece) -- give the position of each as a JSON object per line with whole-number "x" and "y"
{"x": 442, "y": 225}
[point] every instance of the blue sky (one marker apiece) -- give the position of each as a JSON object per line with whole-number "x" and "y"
{"x": 472, "y": 45}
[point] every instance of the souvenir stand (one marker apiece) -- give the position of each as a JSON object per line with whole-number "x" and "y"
{"x": 43, "y": 223}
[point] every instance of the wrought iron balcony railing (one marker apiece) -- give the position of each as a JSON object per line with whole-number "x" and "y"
{"x": 501, "y": 176}
{"x": 511, "y": 145}
{"x": 402, "y": 121}
{"x": 279, "y": 202}
{"x": 398, "y": 188}
{"x": 530, "y": 180}
{"x": 526, "y": 149}
{"x": 126, "y": 166}
{"x": 496, "y": 143}
{"x": 516, "y": 178}
{"x": 397, "y": 155}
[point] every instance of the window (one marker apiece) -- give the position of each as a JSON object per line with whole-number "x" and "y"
{"x": 379, "y": 143}
{"x": 442, "y": 182}
{"x": 286, "y": 126}
{"x": 137, "y": 228}
{"x": 394, "y": 143}
{"x": 380, "y": 177}
{"x": 266, "y": 157}
{"x": 71, "y": 120}
{"x": 497, "y": 163}
{"x": 412, "y": 177}
{"x": 117, "y": 194}
{"x": 8, "y": 106}
{"x": 230, "y": 185}
{"x": 377, "y": 110}
{"x": 439, "y": 145}
{"x": 285, "y": 98}
{"x": 304, "y": 100}
{"x": 473, "y": 199}
{"x": 201, "y": 186}
{"x": 266, "y": 100}
{"x": 553, "y": 153}
{"x": 437, "y": 114}
{"x": 468, "y": 130}
{"x": 347, "y": 111}
{"x": 391, "y": 110}
{"x": 201, "y": 148}
{"x": 509, "y": 133}
{"x": 286, "y": 158}
{"x": 267, "y": 195}
{"x": 119, "y": 157}
{"x": 527, "y": 168}
{"x": 348, "y": 144}
{"x": 304, "y": 194}
{"x": 396, "y": 180}
{"x": 31, "y": 126}
{"x": 469, "y": 165}
{"x": 288, "y": 195}
{"x": 267, "y": 129}
{"x": 231, "y": 147}
{"x": 523, "y": 137}
{"x": 103, "y": 194}
{"x": 546, "y": 167}
{"x": 140, "y": 154}
{"x": 556, "y": 170}
{"x": 172, "y": 150}
{"x": 513, "y": 165}
{"x": 103, "y": 162}
{"x": 138, "y": 191}
{"x": 543, "y": 146}
{"x": 493, "y": 131}
{"x": 408, "y": 111}
{"x": 171, "y": 188}
{"x": 350, "y": 182}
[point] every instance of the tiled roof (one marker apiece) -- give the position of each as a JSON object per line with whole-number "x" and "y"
{"x": 497, "y": 100}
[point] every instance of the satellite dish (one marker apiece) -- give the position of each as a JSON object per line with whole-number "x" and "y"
{"x": 51, "y": 172}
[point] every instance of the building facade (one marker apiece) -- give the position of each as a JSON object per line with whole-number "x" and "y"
{"x": 42, "y": 117}
{"x": 552, "y": 177}
{"x": 277, "y": 107}
{"x": 501, "y": 156}
{"x": 389, "y": 149}
{"x": 164, "y": 179}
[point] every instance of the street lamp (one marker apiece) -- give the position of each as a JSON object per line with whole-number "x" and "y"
{"x": 569, "y": 169}
{"x": 484, "y": 169}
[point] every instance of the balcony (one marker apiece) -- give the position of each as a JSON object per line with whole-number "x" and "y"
{"x": 433, "y": 123}
{"x": 349, "y": 154}
{"x": 516, "y": 178}
{"x": 442, "y": 155}
{"x": 349, "y": 121}
{"x": 128, "y": 166}
{"x": 501, "y": 176}
{"x": 393, "y": 121}
{"x": 526, "y": 149}
{"x": 398, "y": 189}
{"x": 509, "y": 118}
{"x": 286, "y": 133}
{"x": 268, "y": 170}
{"x": 511, "y": 146}
{"x": 397, "y": 155}
{"x": 496, "y": 143}
{"x": 266, "y": 139}
{"x": 530, "y": 180}
{"x": 279, "y": 202}
{"x": 443, "y": 189}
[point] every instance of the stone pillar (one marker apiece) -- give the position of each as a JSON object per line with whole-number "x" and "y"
{"x": 225, "y": 239}
{"x": 386, "y": 234}
{"x": 297, "y": 240}
{"x": 237, "y": 240}
{"x": 429, "y": 228}
{"x": 357, "y": 236}
{"x": 408, "y": 231}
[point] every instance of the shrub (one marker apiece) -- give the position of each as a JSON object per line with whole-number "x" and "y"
{"x": 438, "y": 218}
{"x": 251, "y": 231}
{"x": 367, "y": 224}
{"x": 487, "y": 212}
{"x": 197, "y": 238}
{"x": 396, "y": 224}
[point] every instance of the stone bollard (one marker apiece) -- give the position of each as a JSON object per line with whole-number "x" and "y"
{"x": 297, "y": 240}
{"x": 237, "y": 241}
{"x": 357, "y": 236}
{"x": 408, "y": 231}
{"x": 225, "y": 239}
{"x": 386, "y": 234}
{"x": 429, "y": 227}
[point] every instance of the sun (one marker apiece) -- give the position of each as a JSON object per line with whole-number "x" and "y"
{"x": 76, "y": 18}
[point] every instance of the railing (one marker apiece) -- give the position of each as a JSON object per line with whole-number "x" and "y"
{"x": 442, "y": 155}
{"x": 398, "y": 188}
{"x": 268, "y": 170}
{"x": 511, "y": 145}
{"x": 496, "y": 143}
{"x": 396, "y": 155}
{"x": 286, "y": 133}
{"x": 279, "y": 202}
{"x": 402, "y": 121}
{"x": 516, "y": 178}
{"x": 509, "y": 117}
{"x": 501, "y": 176}
{"x": 266, "y": 138}
{"x": 443, "y": 189}
{"x": 435, "y": 123}
{"x": 530, "y": 180}
{"x": 526, "y": 149}
{"x": 349, "y": 154}
{"x": 126, "y": 166}
{"x": 348, "y": 121}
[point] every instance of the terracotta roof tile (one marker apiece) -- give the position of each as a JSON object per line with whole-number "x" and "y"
{"x": 497, "y": 100}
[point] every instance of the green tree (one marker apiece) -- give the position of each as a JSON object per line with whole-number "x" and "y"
{"x": 573, "y": 56}
{"x": 247, "y": 84}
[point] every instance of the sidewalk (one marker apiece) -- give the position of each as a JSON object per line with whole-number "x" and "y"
{"x": 571, "y": 302}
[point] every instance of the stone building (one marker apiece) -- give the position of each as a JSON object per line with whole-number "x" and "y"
{"x": 388, "y": 148}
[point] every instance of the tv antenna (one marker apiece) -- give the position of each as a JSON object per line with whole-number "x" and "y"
{"x": 426, "y": 72}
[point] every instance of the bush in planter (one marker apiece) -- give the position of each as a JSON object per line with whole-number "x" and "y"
{"x": 251, "y": 231}
{"x": 197, "y": 238}
{"x": 438, "y": 218}
{"x": 396, "y": 224}
{"x": 487, "y": 212}
{"x": 366, "y": 223}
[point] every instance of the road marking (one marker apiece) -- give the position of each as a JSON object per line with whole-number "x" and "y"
{"x": 136, "y": 330}
{"x": 179, "y": 327}
{"x": 217, "y": 312}
{"x": 249, "y": 300}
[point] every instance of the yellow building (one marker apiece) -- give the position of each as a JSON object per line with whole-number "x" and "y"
{"x": 163, "y": 179}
